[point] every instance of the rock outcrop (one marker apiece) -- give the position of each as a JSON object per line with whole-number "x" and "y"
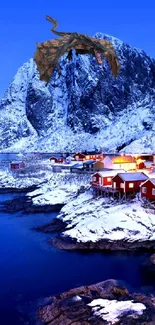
{"x": 75, "y": 307}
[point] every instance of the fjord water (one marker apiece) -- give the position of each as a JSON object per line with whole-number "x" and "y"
{"x": 31, "y": 269}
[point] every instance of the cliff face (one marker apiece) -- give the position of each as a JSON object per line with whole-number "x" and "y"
{"x": 86, "y": 108}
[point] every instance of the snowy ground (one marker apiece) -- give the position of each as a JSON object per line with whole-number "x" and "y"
{"x": 13, "y": 180}
{"x": 112, "y": 310}
{"x": 95, "y": 219}
{"x": 60, "y": 189}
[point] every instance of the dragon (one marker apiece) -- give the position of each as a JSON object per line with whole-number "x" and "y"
{"x": 48, "y": 53}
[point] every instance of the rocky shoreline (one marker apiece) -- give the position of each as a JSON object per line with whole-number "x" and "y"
{"x": 5, "y": 190}
{"x": 74, "y": 307}
{"x": 64, "y": 242}
{"x": 57, "y": 225}
{"x": 26, "y": 205}
{"x": 71, "y": 244}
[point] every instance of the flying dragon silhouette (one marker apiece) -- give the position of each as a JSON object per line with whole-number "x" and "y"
{"x": 48, "y": 53}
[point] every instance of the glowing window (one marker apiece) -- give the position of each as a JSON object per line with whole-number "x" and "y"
{"x": 114, "y": 184}
{"x": 153, "y": 191}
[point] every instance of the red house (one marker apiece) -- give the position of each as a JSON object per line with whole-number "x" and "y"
{"x": 148, "y": 189}
{"x": 128, "y": 182}
{"x": 87, "y": 156}
{"x": 17, "y": 164}
{"x": 57, "y": 159}
{"x": 79, "y": 156}
{"x": 103, "y": 178}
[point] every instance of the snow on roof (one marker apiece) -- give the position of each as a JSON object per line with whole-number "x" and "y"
{"x": 113, "y": 172}
{"x": 79, "y": 153}
{"x": 78, "y": 165}
{"x": 54, "y": 157}
{"x": 65, "y": 164}
{"x": 152, "y": 180}
{"x": 133, "y": 176}
{"x": 148, "y": 163}
{"x": 88, "y": 162}
{"x": 118, "y": 159}
{"x": 16, "y": 162}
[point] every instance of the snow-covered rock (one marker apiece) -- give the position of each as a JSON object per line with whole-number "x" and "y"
{"x": 60, "y": 189}
{"x": 12, "y": 180}
{"x": 86, "y": 108}
{"x": 91, "y": 220}
{"x": 107, "y": 302}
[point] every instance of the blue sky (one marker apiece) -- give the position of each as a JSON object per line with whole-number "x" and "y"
{"x": 22, "y": 24}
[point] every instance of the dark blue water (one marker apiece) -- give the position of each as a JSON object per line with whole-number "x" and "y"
{"x": 31, "y": 269}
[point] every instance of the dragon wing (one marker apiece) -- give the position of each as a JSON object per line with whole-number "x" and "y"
{"x": 48, "y": 53}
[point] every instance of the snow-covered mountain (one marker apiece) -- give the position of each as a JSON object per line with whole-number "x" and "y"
{"x": 86, "y": 108}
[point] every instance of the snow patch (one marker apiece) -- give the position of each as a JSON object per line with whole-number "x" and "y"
{"x": 113, "y": 310}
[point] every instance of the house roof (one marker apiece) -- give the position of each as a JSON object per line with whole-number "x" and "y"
{"x": 152, "y": 180}
{"x": 79, "y": 153}
{"x": 89, "y": 162}
{"x": 121, "y": 159}
{"x": 16, "y": 162}
{"x": 100, "y": 162}
{"x": 107, "y": 173}
{"x": 148, "y": 163}
{"x": 95, "y": 154}
{"x": 133, "y": 176}
{"x": 54, "y": 157}
{"x": 78, "y": 165}
{"x": 92, "y": 153}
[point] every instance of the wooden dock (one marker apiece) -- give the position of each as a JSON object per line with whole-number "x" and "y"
{"x": 104, "y": 188}
{"x": 106, "y": 191}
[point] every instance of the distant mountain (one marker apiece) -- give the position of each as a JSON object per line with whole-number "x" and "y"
{"x": 86, "y": 108}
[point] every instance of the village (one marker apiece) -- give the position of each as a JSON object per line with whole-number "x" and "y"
{"x": 111, "y": 175}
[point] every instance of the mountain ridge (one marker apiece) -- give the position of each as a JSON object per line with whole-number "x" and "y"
{"x": 86, "y": 108}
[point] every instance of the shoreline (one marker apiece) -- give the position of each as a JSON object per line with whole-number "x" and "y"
{"x": 7, "y": 190}
{"x": 25, "y": 205}
{"x": 62, "y": 240}
{"x": 71, "y": 244}
{"x": 58, "y": 225}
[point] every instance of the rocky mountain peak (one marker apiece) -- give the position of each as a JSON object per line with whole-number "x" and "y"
{"x": 86, "y": 108}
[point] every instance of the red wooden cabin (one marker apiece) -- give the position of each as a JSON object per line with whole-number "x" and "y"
{"x": 103, "y": 178}
{"x": 148, "y": 189}
{"x": 79, "y": 156}
{"x": 140, "y": 165}
{"x": 87, "y": 156}
{"x": 17, "y": 164}
{"x": 128, "y": 182}
{"x": 57, "y": 159}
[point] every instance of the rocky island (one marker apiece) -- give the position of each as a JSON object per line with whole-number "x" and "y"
{"x": 107, "y": 302}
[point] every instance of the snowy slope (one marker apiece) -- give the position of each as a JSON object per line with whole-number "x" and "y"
{"x": 60, "y": 189}
{"x": 96, "y": 219}
{"x": 86, "y": 108}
